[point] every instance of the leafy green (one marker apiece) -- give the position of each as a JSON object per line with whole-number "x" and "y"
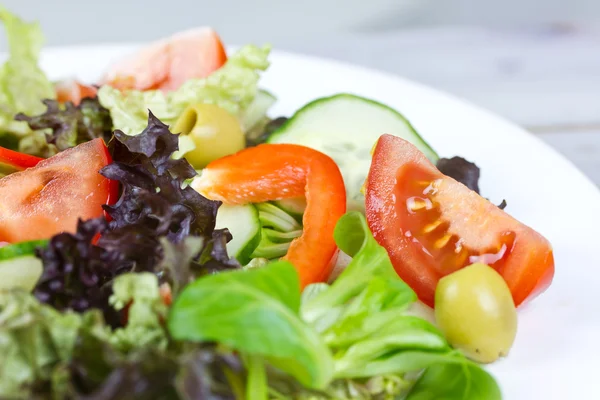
{"x": 455, "y": 381}
{"x": 69, "y": 125}
{"x": 33, "y": 339}
{"x": 22, "y": 83}
{"x": 69, "y": 355}
{"x": 257, "y": 386}
{"x": 232, "y": 87}
{"x": 278, "y": 230}
{"x": 254, "y": 311}
{"x": 144, "y": 315}
{"x": 369, "y": 260}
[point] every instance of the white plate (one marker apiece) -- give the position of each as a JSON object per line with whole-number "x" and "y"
{"x": 556, "y": 353}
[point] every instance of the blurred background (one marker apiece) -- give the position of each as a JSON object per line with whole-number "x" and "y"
{"x": 536, "y": 62}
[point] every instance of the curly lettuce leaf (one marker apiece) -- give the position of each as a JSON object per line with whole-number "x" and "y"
{"x": 22, "y": 83}
{"x": 144, "y": 315}
{"x": 34, "y": 338}
{"x": 69, "y": 125}
{"x": 232, "y": 87}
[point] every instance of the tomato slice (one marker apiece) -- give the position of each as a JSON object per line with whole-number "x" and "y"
{"x": 432, "y": 225}
{"x": 168, "y": 63}
{"x": 49, "y": 198}
{"x": 73, "y": 91}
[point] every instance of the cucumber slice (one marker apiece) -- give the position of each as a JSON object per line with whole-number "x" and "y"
{"x": 245, "y": 227}
{"x": 20, "y": 272}
{"x": 257, "y": 110}
{"x": 295, "y": 207}
{"x": 21, "y": 249}
{"x": 346, "y": 127}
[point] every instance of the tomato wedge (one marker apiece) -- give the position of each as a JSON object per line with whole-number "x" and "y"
{"x": 168, "y": 63}
{"x": 49, "y": 198}
{"x": 279, "y": 171}
{"x": 432, "y": 225}
{"x": 73, "y": 91}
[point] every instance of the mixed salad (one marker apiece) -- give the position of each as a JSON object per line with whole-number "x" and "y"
{"x": 164, "y": 238}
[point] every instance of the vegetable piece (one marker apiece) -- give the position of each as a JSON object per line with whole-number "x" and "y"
{"x": 274, "y": 172}
{"x": 214, "y": 132}
{"x": 154, "y": 194}
{"x": 256, "y": 312}
{"x": 33, "y": 339}
{"x": 432, "y": 225}
{"x": 13, "y": 161}
{"x": 353, "y": 237}
{"x": 244, "y": 225}
{"x": 76, "y": 271}
{"x": 49, "y": 198}
{"x": 22, "y": 83}
{"x": 278, "y": 231}
{"x": 460, "y": 170}
{"x": 20, "y": 272}
{"x": 21, "y": 249}
{"x": 71, "y": 125}
{"x": 345, "y": 127}
{"x": 232, "y": 87}
{"x": 474, "y": 308}
{"x": 146, "y": 311}
{"x": 261, "y": 133}
{"x": 257, "y": 387}
{"x": 73, "y": 91}
{"x": 294, "y": 207}
{"x": 455, "y": 381}
{"x": 257, "y": 110}
{"x": 169, "y": 63}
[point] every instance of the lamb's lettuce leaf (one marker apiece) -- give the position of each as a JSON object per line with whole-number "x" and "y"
{"x": 254, "y": 311}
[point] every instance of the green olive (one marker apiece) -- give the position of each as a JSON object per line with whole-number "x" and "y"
{"x": 215, "y": 133}
{"x": 475, "y": 310}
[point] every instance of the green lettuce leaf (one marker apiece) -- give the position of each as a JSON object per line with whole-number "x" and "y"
{"x": 232, "y": 87}
{"x": 34, "y": 338}
{"x": 22, "y": 83}
{"x": 369, "y": 261}
{"x": 254, "y": 311}
{"x": 458, "y": 381}
{"x": 144, "y": 328}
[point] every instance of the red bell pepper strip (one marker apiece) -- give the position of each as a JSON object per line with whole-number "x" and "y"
{"x": 279, "y": 171}
{"x": 16, "y": 160}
